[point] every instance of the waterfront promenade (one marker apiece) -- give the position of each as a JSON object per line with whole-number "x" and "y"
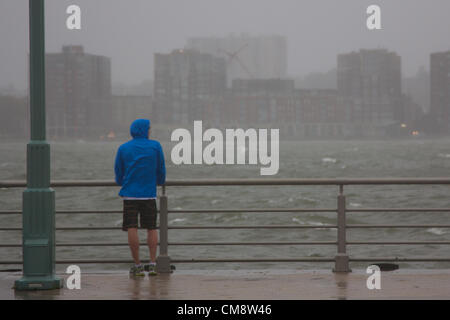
{"x": 261, "y": 284}
{"x": 256, "y": 284}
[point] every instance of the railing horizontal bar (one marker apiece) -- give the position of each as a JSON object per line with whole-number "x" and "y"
{"x": 196, "y": 227}
{"x": 396, "y": 242}
{"x": 190, "y": 227}
{"x": 70, "y": 228}
{"x": 112, "y": 261}
{"x": 80, "y": 261}
{"x": 397, "y": 259}
{"x": 245, "y": 182}
{"x": 257, "y": 227}
{"x": 399, "y": 210}
{"x": 89, "y": 212}
{"x": 89, "y": 228}
{"x": 10, "y": 212}
{"x": 85, "y": 244}
{"x": 73, "y": 228}
{"x": 239, "y": 243}
{"x": 393, "y": 226}
{"x": 429, "y": 210}
{"x": 325, "y": 226}
{"x": 252, "y": 210}
{"x": 362, "y": 259}
{"x": 252, "y": 260}
{"x": 71, "y": 212}
{"x": 316, "y": 181}
{"x": 116, "y": 244}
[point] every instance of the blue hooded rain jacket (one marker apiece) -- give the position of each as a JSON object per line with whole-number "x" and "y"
{"x": 139, "y": 164}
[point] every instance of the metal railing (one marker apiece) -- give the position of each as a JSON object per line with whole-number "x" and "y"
{"x": 341, "y": 259}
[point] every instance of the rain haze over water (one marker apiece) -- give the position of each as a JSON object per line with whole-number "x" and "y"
{"x": 94, "y": 160}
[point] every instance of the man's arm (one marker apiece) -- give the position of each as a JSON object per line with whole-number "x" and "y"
{"x": 161, "y": 167}
{"x": 118, "y": 168}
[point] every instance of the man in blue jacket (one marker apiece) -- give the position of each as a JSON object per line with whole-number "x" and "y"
{"x": 139, "y": 168}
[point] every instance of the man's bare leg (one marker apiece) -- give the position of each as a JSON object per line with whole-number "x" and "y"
{"x": 152, "y": 242}
{"x": 133, "y": 242}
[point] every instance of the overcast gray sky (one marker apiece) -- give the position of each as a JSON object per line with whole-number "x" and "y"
{"x": 130, "y": 31}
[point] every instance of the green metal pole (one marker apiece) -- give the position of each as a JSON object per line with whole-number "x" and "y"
{"x": 38, "y": 199}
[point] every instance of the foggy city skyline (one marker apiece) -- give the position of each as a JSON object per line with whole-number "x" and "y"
{"x": 268, "y": 149}
{"x": 313, "y": 70}
{"x": 316, "y": 32}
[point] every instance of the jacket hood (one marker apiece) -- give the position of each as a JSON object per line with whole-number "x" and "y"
{"x": 139, "y": 128}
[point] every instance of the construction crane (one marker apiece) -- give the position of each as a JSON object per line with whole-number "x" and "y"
{"x": 234, "y": 56}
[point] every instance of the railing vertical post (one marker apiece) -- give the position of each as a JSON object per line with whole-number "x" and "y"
{"x": 341, "y": 259}
{"x": 163, "y": 259}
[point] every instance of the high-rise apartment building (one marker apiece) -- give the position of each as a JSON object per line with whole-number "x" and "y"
{"x": 371, "y": 79}
{"x": 14, "y": 116}
{"x": 440, "y": 90}
{"x": 78, "y": 92}
{"x": 185, "y": 80}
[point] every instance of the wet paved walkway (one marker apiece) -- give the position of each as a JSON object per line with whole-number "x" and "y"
{"x": 269, "y": 284}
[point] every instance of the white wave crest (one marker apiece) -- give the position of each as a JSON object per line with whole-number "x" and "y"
{"x": 437, "y": 231}
{"x": 329, "y": 160}
{"x": 355, "y": 204}
{"x": 297, "y": 221}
